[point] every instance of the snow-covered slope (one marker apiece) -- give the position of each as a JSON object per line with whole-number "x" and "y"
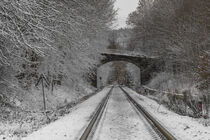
{"x": 71, "y": 126}
{"x": 183, "y": 127}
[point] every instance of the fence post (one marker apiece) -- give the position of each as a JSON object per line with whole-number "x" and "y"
{"x": 52, "y": 86}
{"x": 43, "y": 95}
{"x": 205, "y": 106}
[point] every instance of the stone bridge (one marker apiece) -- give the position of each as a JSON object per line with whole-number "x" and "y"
{"x": 146, "y": 64}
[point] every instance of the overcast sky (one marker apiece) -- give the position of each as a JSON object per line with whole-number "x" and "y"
{"x": 125, "y": 7}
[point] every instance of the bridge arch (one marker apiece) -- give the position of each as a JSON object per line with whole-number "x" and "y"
{"x": 111, "y": 57}
{"x": 146, "y": 64}
{"x": 107, "y": 72}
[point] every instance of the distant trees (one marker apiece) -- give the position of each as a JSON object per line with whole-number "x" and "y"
{"x": 52, "y": 37}
{"x": 113, "y": 44}
{"x": 120, "y": 74}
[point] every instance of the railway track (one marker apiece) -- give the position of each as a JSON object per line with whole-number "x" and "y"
{"x": 96, "y": 117}
{"x": 92, "y": 126}
{"x": 159, "y": 129}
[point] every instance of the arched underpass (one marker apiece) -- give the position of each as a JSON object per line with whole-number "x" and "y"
{"x": 120, "y": 72}
{"x": 147, "y": 65}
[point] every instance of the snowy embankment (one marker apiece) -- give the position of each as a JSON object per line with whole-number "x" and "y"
{"x": 29, "y": 116}
{"x": 72, "y": 125}
{"x": 183, "y": 127}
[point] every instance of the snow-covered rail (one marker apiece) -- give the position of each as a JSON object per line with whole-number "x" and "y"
{"x": 96, "y": 117}
{"x": 161, "y": 131}
{"x": 103, "y": 122}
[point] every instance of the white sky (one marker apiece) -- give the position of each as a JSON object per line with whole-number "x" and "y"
{"x": 125, "y": 7}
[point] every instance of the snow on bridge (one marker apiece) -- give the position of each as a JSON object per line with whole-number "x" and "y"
{"x": 126, "y": 53}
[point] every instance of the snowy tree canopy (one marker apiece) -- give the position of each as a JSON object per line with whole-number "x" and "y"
{"x": 52, "y": 37}
{"x": 178, "y": 30}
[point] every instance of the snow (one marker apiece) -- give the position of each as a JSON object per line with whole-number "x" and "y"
{"x": 72, "y": 125}
{"x": 183, "y": 127}
{"x": 127, "y": 53}
{"x": 120, "y": 121}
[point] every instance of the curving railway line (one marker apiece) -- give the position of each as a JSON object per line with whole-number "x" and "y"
{"x": 119, "y": 116}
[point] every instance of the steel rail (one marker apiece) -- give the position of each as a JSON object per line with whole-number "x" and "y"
{"x": 164, "y": 132}
{"x": 96, "y": 117}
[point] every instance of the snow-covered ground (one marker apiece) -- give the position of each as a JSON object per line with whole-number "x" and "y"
{"x": 183, "y": 127}
{"x": 31, "y": 118}
{"x": 72, "y": 125}
{"x": 121, "y": 121}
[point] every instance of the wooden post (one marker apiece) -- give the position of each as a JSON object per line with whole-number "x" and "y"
{"x": 41, "y": 79}
{"x": 208, "y": 105}
{"x": 205, "y": 107}
{"x": 52, "y": 86}
{"x": 43, "y": 95}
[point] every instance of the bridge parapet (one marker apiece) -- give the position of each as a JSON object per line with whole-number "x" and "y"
{"x": 127, "y": 53}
